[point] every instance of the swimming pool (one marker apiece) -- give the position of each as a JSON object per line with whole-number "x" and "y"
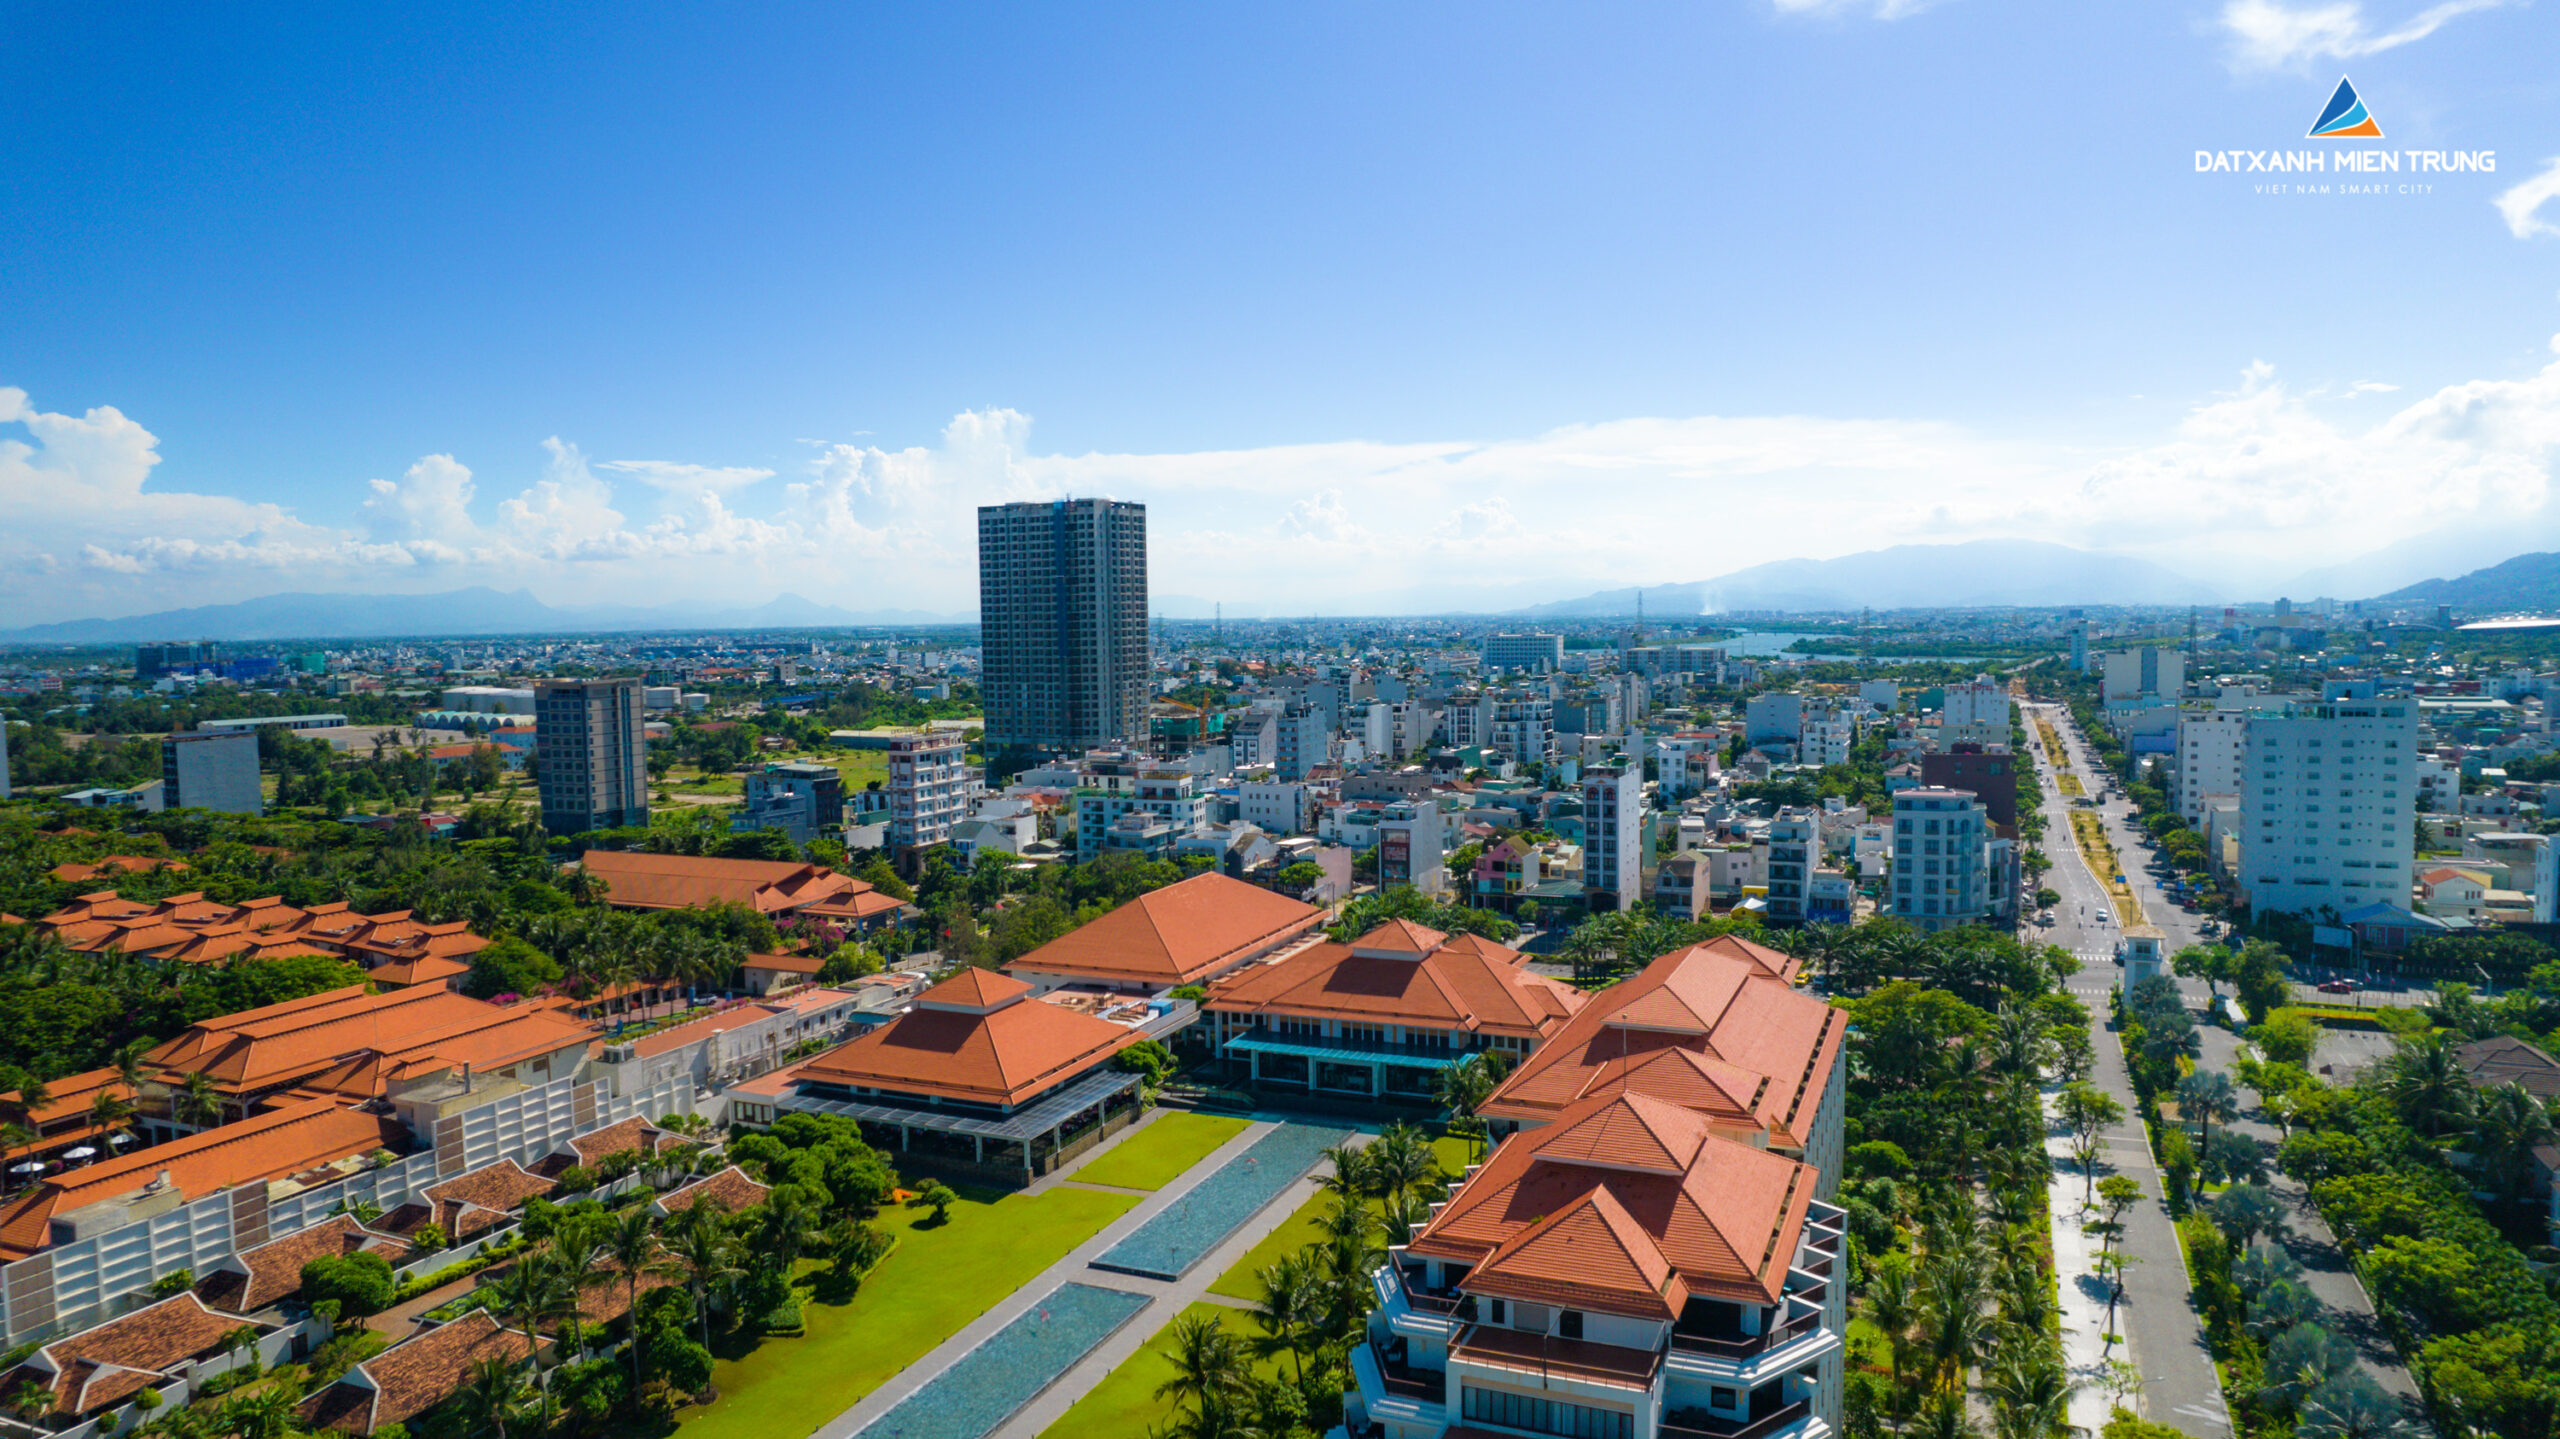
{"x": 1009, "y": 1368}
{"x": 1184, "y": 1232}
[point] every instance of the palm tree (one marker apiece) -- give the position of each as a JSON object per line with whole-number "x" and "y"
{"x": 1946, "y": 1420}
{"x": 2204, "y": 1097}
{"x": 1348, "y": 1183}
{"x": 787, "y": 1226}
{"x": 32, "y": 1096}
{"x": 1893, "y": 1305}
{"x": 109, "y": 1112}
{"x": 266, "y": 1414}
{"x": 196, "y": 1102}
{"x": 2428, "y": 1084}
{"x": 1349, "y": 1254}
{"x": 703, "y": 1250}
{"x": 2018, "y": 1041}
{"x": 1400, "y": 1163}
{"x": 2511, "y": 1124}
{"x": 1955, "y": 1287}
{"x": 634, "y": 1247}
{"x": 537, "y": 1291}
{"x": 1208, "y": 1373}
{"x": 2029, "y": 1394}
{"x": 493, "y": 1395}
{"x": 1292, "y": 1304}
{"x": 1459, "y": 1088}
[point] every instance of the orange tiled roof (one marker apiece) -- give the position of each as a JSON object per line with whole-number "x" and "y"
{"x": 633, "y": 1133}
{"x": 635, "y": 880}
{"x": 102, "y": 1367}
{"x": 1591, "y": 1254}
{"x": 72, "y": 1094}
{"x": 976, "y": 1036}
{"x": 410, "y": 973}
{"x": 1183, "y": 933}
{"x": 109, "y": 866}
{"x": 415, "y": 1375}
{"x": 1769, "y": 1050}
{"x": 1462, "y": 984}
{"x": 274, "y": 1269}
{"x": 343, "y": 1040}
{"x": 1723, "y": 1215}
{"x": 730, "y": 1190}
{"x": 283, "y": 1141}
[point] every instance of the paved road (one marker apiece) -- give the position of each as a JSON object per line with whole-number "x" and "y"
{"x": 2339, "y": 1055}
{"x": 2164, "y": 1339}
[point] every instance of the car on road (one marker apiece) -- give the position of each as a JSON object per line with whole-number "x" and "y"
{"x": 2339, "y": 986}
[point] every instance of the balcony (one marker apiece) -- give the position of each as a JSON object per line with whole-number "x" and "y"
{"x": 1580, "y": 1360}
{"x": 1733, "y": 1344}
{"x": 1403, "y": 1381}
{"x": 1758, "y": 1425}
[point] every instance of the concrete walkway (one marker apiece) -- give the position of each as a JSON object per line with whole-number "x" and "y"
{"x": 1167, "y": 1299}
{"x": 2085, "y": 1350}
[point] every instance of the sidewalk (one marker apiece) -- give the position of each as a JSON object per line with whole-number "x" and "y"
{"x": 2085, "y": 1351}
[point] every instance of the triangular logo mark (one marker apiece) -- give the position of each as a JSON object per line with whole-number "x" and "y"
{"x": 2345, "y": 117}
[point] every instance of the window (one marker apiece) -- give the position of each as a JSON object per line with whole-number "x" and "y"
{"x": 1569, "y": 1323}
{"x": 1544, "y": 1416}
{"x": 1723, "y": 1398}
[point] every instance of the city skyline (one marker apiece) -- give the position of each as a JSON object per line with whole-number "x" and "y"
{"x": 621, "y": 318}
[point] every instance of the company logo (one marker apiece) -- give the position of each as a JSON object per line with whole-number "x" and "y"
{"x": 2345, "y": 117}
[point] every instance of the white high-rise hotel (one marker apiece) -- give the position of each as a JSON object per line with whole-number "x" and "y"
{"x": 2328, "y": 802}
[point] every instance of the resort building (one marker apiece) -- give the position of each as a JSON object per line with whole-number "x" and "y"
{"x": 1715, "y": 1028}
{"x": 982, "y": 1078}
{"x": 1625, "y": 1272}
{"x": 776, "y": 888}
{"x": 1190, "y": 932}
{"x": 1378, "y": 1018}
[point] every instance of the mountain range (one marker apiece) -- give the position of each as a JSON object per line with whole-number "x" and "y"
{"x": 2527, "y": 582}
{"x": 1977, "y": 574}
{"x": 476, "y": 611}
{"x": 2030, "y": 573}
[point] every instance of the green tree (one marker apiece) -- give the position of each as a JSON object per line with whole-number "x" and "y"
{"x": 361, "y": 1283}
{"x": 2086, "y": 1112}
{"x": 2288, "y": 1037}
{"x": 1209, "y": 1375}
{"x": 936, "y": 1196}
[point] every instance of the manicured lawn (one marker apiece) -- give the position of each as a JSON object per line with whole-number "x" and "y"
{"x": 1157, "y": 1154}
{"x": 1307, "y": 1226}
{"x": 940, "y": 1278}
{"x": 1125, "y": 1402}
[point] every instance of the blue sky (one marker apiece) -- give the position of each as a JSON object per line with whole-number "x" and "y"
{"x": 1368, "y": 302}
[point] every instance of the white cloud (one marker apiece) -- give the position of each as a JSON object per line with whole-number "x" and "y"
{"x": 688, "y": 479}
{"x": 427, "y": 510}
{"x": 2270, "y": 34}
{"x": 1880, "y": 9}
{"x": 2521, "y": 205}
{"x": 2248, "y": 488}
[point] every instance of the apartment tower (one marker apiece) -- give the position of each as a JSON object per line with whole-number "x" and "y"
{"x": 590, "y": 754}
{"x": 1062, "y": 611}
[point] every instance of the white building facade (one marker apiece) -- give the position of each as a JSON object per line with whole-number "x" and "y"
{"x": 2328, "y": 802}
